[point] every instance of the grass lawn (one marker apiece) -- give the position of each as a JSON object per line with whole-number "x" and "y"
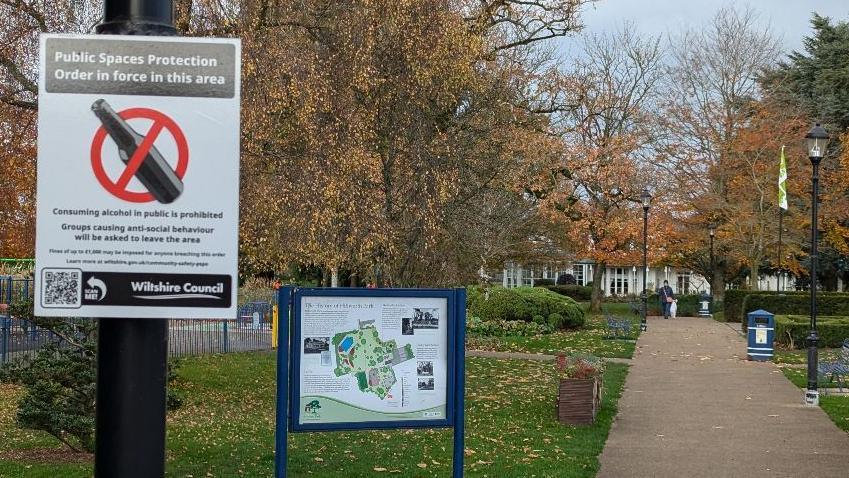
{"x": 797, "y": 356}
{"x": 226, "y": 429}
{"x": 836, "y": 407}
{"x": 589, "y": 339}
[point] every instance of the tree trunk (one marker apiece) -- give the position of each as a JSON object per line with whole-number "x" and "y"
{"x": 354, "y": 280}
{"x": 717, "y": 283}
{"x": 334, "y": 276}
{"x": 754, "y": 265}
{"x": 378, "y": 276}
{"x": 598, "y": 287}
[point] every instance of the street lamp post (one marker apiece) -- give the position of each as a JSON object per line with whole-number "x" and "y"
{"x": 817, "y": 140}
{"x": 712, "y": 232}
{"x": 645, "y": 198}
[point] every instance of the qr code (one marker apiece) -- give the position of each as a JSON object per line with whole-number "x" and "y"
{"x": 61, "y": 288}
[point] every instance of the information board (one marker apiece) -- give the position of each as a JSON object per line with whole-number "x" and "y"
{"x": 138, "y": 177}
{"x": 372, "y": 361}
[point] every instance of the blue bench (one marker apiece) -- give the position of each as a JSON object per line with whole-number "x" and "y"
{"x": 838, "y": 370}
{"x": 616, "y": 326}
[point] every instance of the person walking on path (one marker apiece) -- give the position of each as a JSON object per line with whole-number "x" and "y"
{"x": 666, "y": 297}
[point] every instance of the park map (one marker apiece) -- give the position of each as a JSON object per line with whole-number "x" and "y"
{"x": 361, "y": 353}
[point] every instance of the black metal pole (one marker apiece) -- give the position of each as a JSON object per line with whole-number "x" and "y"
{"x": 137, "y": 17}
{"x": 712, "y": 272}
{"x": 780, "y": 229}
{"x": 813, "y": 338}
{"x": 132, "y": 362}
{"x": 132, "y": 354}
{"x": 643, "y": 323}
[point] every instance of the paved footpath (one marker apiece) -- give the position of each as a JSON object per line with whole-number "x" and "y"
{"x": 694, "y": 407}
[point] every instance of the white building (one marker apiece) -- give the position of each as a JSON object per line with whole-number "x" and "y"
{"x": 617, "y": 280}
{"x": 785, "y": 283}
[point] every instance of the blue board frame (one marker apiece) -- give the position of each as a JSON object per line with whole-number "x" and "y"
{"x": 289, "y": 296}
{"x": 295, "y": 358}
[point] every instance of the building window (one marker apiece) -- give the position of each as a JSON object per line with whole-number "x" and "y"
{"x": 528, "y": 279}
{"x": 683, "y": 283}
{"x": 618, "y": 281}
{"x": 579, "y": 274}
{"x": 512, "y": 274}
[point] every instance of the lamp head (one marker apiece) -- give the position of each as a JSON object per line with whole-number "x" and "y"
{"x": 712, "y": 229}
{"x": 816, "y": 141}
{"x": 645, "y": 198}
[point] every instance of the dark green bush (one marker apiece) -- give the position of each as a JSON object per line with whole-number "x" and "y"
{"x": 566, "y": 279}
{"x": 688, "y": 305}
{"x": 543, "y": 282}
{"x": 556, "y": 321}
{"x": 793, "y": 330}
{"x": 733, "y": 304}
{"x": 578, "y": 292}
{"x": 477, "y": 327}
{"x": 539, "y": 319}
{"x": 741, "y": 303}
{"x": 522, "y": 304}
{"x": 59, "y": 381}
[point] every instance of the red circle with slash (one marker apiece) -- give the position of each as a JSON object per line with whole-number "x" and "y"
{"x": 160, "y": 122}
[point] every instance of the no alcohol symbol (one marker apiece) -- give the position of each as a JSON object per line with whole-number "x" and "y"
{"x": 140, "y": 157}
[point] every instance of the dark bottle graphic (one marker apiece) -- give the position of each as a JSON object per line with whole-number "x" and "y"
{"x": 154, "y": 172}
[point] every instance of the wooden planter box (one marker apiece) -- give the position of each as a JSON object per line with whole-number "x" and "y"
{"x": 578, "y": 401}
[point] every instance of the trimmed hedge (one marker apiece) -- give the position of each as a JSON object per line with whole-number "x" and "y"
{"x": 740, "y": 303}
{"x": 737, "y": 302}
{"x": 794, "y": 329}
{"x": 543, "y": 282}
{"x": 688, "y": 305}
{"x": 523, "y": 304}
{"x": 580, "y": 293}
{"x": 733, "y": 304}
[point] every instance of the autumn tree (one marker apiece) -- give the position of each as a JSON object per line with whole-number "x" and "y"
{"x": 372, "y": 130}
{"x": 607, "y": 149}
{"x": 710, "y": 86}
{"x": 814, "y": 82}
{"x": 17, "y": 182}
{"x": 20, "y": 24}
{"x": 379, "y": 120}
{"x": 752, "y": 235}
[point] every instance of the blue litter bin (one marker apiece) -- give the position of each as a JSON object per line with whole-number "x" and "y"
{"x": 704, "y": 305}
{"x": 761, "y": 335}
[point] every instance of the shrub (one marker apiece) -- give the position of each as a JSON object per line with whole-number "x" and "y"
{"x": 59, "y": 381}
{"x": 522, "y": 304}
{"x": 733, "y": 304}
{"x": 477, "y": 327}
{"x": 543, "y": 282}
{"x": 556, "y": 321}
{"x": 578, "y": 292}
{"x": 793, "y": 330}
{"x": 566, "y": 279}
{"x": 539, "y": 319}
{"x": 741, "y": 303}
{"x": 688, "y": 305}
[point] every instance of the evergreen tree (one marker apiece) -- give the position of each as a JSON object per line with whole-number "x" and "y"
{"x": 818, "y": 78}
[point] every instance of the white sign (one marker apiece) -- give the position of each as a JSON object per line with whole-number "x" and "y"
{"x": 138, "y": 177}
{"x": 760, "y": 336}
{"x": 365, "y": 359}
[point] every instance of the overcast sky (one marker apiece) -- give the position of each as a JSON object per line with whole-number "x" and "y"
{"x": 790, "y": 19}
